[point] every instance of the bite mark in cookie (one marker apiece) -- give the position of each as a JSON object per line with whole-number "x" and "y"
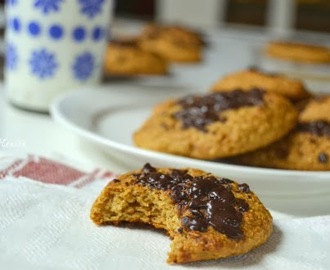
{"x": 207, "y": 217}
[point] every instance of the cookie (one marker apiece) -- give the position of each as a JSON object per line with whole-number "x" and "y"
{"x": 207, "y": 217}
{"x": 307, "y": 147}
{"x": 174, "y": 43}
{"x": 179, "y": 32}
{"x": 125, "y": 57}
{"x": 280, "y": 84}
{"x": 298, "y": 52}
{"x": 217, "y": 125}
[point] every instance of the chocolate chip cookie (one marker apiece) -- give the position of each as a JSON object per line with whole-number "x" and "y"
{"x": 124, "y": 57}
{"x": 207, "y": 217}
{"x": 174, "y": 43}
{"x": 307, "y": 147}
{"x": 298, "y": 52}
{"x": 217, "y": 125}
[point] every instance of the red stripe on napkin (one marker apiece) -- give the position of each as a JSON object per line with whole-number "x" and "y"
{"x": 52, "y": 172}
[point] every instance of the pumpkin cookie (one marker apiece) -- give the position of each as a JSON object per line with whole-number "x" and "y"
{"x": 291, "y": 88}
{"x": 307, "y": 147}
{"x": 298, "y": 52}
{"x": 125, "y": 57}
{"x": 179, "y": 32}
{"x": 174, "y": 43}
{"x": 217, "y": 125}
{"x": 207, "y": 217}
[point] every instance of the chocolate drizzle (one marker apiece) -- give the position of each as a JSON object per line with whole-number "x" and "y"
{"x": 318, "y": 128}
{"x": 200, "y": 111}
{"x": 209, "y": 199}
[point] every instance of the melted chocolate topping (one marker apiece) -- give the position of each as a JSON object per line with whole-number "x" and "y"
{"x": 318, "y": 128}
{"x": 199, "y": 111}
{"x": 208, "y": 199}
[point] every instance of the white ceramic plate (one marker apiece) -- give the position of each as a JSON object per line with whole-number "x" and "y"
{"x": 109, "y": 116}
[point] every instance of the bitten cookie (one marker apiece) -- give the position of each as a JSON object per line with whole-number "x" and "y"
{"x": 254, "y": 78}
{"x": 217, "y": 125}
{"x": 307, "y": 147}
{"x": 125, "y": 57}
{"x": 174, "y": 43}
{"x": 298, "y": 52}
{"x": 207, "y": 217}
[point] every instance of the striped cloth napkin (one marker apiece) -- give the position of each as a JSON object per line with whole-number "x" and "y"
{"x": 48, "y": 171}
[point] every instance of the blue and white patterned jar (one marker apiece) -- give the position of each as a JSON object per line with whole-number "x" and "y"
{"x": 53, "y": 46}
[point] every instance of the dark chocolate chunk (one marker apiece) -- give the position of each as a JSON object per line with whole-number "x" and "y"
{"x": 244, "y": 187}
{"x": 323, "y": 157}
{"x": 208, "y": 200}
{"x": 317, "y": 128}
{"x": 200, "y": 111}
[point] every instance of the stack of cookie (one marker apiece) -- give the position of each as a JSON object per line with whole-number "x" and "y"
{"x": 151, "y": 52}
{"x": 245, "y": 112}
{"x": 125, "y": 57}
{"x": 175, "y": 43}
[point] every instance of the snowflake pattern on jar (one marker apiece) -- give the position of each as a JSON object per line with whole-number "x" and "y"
{"x": 83, "y": 66}
{"x": 11, "y": 56}
{"x": 91, "y": 8}
{"x": 43, "y": 64}
{"x": 12, "y": 2}
{"x": 48, "y": 6}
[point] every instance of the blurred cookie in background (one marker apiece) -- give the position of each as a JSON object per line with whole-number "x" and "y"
{"x": 180, "y": 32}
{"x": 301, "y": 60}
{"x": 298, "y": 52}
{"x": 173, "y": 42}
{"x": 125, "y": 57}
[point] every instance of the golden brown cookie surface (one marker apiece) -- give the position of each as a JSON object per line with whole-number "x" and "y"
{"x": 298, "y": 52}
{"x": 307, "y": 147}
{"x": 207, "y": 217}
{"x": 174, "y": 43}
{"x": 174, "y": 32}
{"x": 125, "y": 57}
{"x": 216, "y": 125}
{"x": 253, "y": 78}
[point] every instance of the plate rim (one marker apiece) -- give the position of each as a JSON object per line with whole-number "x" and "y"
{"x": 58, "y": 115}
